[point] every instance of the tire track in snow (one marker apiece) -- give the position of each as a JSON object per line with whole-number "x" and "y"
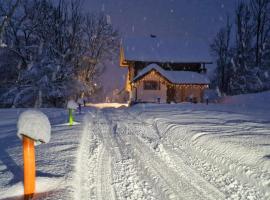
{"x": 173, "y": 183}
{"x": 103, "y": 173}
{"x": 193, "y": 177}
{"x": 215, "y": 169}
{"x": 87, "y": 152}
{"x": 93, "y": 169}
{"x": 151, "y": 190}
{"x": 126, "y": 181}
{"x": 231, "y": 189}
{"x": 104, "y": 177}
{"x": 119, "y": 161}
{"x": 232, "y": 186}
{"x": 179, "y": 173}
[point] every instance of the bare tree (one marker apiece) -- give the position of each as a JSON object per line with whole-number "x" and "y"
{"x": 260, "y": 10}
{"x": 243, "y": 35}
{"x": 250, "y": 52}
{"x": 63, "y": 49}
{"x": 222, "y": 50}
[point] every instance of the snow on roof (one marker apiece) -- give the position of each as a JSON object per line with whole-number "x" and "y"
{"x": 176, "y": 77}
{"x": 154, "y": 49}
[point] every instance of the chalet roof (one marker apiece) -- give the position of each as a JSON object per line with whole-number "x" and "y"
{"x": 176, "y": 77}
{"x": 154, "y": 49}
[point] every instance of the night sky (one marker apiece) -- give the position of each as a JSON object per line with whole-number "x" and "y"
{"x": 164, "y": 18}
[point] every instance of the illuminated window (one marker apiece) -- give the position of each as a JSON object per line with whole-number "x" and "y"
{"x": 151, "y": 85}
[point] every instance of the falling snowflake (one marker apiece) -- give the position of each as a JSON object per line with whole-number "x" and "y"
{"x": 108, "y": 19}
{"x": 266, "y": 74}
{"x": 103, "y": 8}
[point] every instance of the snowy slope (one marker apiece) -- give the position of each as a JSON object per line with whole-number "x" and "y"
{"x": 256, "y": 100}
{"x": 180, "y": 151}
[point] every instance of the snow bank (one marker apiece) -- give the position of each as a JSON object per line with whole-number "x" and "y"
{"x": 72, "y": 104}
{"x": 256, "y": 100}
{"x": 34, "y": 124}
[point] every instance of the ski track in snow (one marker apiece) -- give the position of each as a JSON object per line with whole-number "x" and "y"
{"x": 140, "y": 155}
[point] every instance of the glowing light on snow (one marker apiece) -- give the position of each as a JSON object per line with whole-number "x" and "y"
{"x": 67, "y": 124}
{"x": 107, "y": 105}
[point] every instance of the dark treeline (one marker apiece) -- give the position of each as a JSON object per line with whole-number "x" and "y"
{"x": 242, "y": 49}
{"x": 51, "y": 51}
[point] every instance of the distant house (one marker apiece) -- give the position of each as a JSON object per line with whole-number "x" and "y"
{"x": 164, "y": 71}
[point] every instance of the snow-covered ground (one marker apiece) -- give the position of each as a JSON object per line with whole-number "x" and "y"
{"x": 180, "y": 151}
{"x": 54, "y": 161}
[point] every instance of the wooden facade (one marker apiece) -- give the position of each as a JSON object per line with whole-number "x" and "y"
{"x": 167, "y": 92}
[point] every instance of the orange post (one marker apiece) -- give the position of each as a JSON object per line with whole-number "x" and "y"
{"x": 29, "y": 167}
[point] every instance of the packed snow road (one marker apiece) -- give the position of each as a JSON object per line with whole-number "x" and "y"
{"x": 182, "y": 151}
{"x": 168, "y": 153}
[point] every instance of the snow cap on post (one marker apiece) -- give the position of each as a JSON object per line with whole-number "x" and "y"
{"x": 80, "y": 101}
{"x": 72, "y": 104}
{"x": 35, "y": 125}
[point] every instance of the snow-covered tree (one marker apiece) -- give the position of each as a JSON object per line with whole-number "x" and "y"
{"x": 260, "y": 10}
{"x": 243, "y": 49}
{"x": 62, "y": 49}
{"x": 248, "y": 68}
{"x": 101, "y": 43}
{"x": 7, "y": 10}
